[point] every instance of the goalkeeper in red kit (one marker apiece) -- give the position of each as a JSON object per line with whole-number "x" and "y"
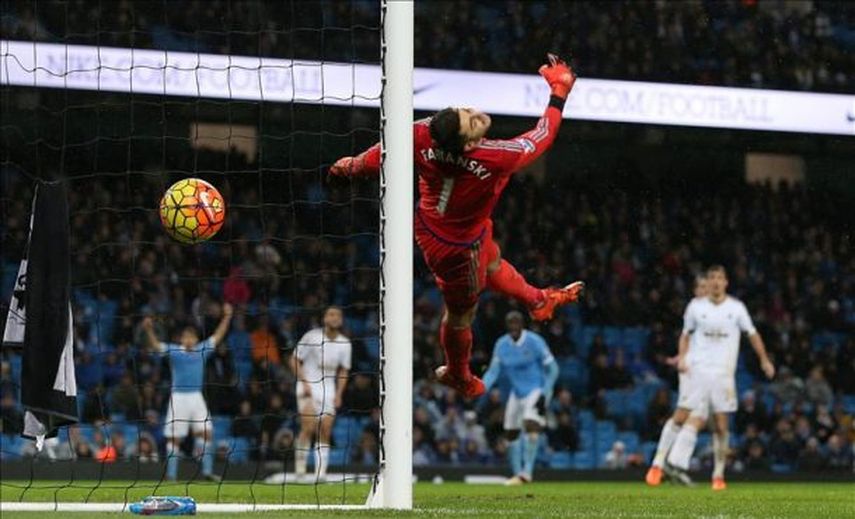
{"x": 461, "y": 175}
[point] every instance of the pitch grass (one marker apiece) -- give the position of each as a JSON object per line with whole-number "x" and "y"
{"x": 547, "y": 500}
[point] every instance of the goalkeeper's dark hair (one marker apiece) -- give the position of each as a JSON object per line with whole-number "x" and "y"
{"x": 445, "y": 130}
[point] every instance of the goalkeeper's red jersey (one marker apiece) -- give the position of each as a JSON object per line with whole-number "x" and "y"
{"x": 458, "y": 192}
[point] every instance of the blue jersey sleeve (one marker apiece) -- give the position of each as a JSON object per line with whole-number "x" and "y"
{"x": 544, "y": 354}
{"x": 492, "y": 374}
{"x": 206, "y": 347}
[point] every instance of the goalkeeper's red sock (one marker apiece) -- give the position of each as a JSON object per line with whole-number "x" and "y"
{"x": 506, "y": 280}
{"x": 457, "y": 343}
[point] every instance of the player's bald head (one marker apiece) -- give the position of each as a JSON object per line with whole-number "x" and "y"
{"x": 514, "y": 316}
{"x": 514, "y": 322}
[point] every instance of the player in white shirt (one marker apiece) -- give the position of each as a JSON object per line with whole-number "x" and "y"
{"x": 672, "y": 427}
{"x": 321, "y": 364}
{"x": 717, "y": 321}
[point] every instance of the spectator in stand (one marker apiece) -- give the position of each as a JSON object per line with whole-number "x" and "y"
{"x": 810, "y": 458}
{"x": 474, "y": 433}
{"x": 264, "y": 345}
{"x": 599, "y": 374}
{"x": 787, "y": 387}
{"x": 751, "y": 412}
{"x": 110, "y": 448}
{"x": 565, "y": 436}
{"x": 448, "y": 451}
{"x": 244, "y": 424}
{"x": 423, "y": 452}
{"x": 659, "y": 410}
{"x": 82, "y": 450}
{"x": 362, "y": 394}
{"x": 274, "y": 417}
{"x": 365, "y": 451}
{"x": 784, "y": 447}
{"x": 616, "y": 458}
{"x": 147, "y": 449}
{"x": 817, "y": 387}
{"x": 126, "y": 398}
{"x": 235, "y": 288}
{"x": 221, "y": 381}
{"x": 755, "y": 456}
{"x": 11, "y": 419}
{"x": 839, "y": 454}
{"x": 824, "y": 423}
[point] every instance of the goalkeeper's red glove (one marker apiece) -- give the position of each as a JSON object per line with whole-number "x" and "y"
{"x": 348, "y": 167}
{"x": 559, "y": 75}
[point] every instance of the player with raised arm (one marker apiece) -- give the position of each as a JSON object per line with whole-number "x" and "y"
{"x": 525, "y": 358}
{"x": 672, "y": 427}
{"x": 461, "y": 176}
{"x": 187, "y": 411}
{"x": 710, "y": 360}
{"x": 321, "y": 364}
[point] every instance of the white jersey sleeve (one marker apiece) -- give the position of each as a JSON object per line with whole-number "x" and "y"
{"x": 690, "y": 320}
{"x": 346, "y": 354}
{"x": 743, "y": 320}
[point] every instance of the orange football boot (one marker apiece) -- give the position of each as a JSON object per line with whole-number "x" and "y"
{"x": 719, "y": 484}
{"x": 654, "y": 476}
{"x": 556, "y": 297}
{"x": 469, "y": 386}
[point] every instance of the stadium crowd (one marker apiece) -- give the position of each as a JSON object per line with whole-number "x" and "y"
{"x": 637, "y": 253}
{"x": 805, "y": 45}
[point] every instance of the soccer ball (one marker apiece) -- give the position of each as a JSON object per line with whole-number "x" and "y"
{"x": 192, "y": 210}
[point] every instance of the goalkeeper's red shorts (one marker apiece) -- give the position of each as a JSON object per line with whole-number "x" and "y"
{"x": 460, "y": 268}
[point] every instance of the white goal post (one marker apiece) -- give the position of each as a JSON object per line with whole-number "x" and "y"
{"x": 393, "y": 487}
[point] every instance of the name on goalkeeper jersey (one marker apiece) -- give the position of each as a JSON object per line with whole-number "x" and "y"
{"x": 471, "y": 165}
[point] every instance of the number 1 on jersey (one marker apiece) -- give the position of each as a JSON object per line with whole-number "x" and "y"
{"x": 445, "y": 194}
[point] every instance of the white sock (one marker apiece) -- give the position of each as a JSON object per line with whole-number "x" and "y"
{"x": 684, "y": 445}
{"x": 322, "y": 458}
{"x": 721, "y": 442}
{"x": 666, "y": 439}
{"x": 301, "y": 456}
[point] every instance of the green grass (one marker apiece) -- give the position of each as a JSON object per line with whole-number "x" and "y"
{"x": 601, "y": 500}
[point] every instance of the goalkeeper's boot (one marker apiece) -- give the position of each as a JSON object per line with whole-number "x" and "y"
{"x": 719, "y": 484}
{"x": 554, "y": 298}
{"x": 678, "y": 475}
{"x": 468, "y": 386}
{"x": 654, "y": 476}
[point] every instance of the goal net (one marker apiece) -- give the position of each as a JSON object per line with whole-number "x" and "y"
{"x": 117, "y": 101}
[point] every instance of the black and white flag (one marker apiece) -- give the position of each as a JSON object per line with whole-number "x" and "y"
{"x": 40, "y": 321}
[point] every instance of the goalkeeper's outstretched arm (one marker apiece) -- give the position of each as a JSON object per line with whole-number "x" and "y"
{"x": 523, "y": 149}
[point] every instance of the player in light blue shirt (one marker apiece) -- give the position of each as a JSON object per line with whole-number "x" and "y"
{"x": 187, "y": 411}
{"x": 525, "y": 358}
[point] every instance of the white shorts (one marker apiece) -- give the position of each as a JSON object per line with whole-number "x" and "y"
{"x": 322, "y": 401}
{"x": 684, "y": 389}
{"x": 712, "y": 392}
{"x": 519, "y": 410}
{"x": 186, "y": 412}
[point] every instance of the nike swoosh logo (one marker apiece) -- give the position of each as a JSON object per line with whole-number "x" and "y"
{"x": 424, "y": 88}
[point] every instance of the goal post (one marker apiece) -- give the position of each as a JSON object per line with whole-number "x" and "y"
{"x": 393, "y": 486}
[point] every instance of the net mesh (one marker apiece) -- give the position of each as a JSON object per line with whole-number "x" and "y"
{"x": 292, "y": 244}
